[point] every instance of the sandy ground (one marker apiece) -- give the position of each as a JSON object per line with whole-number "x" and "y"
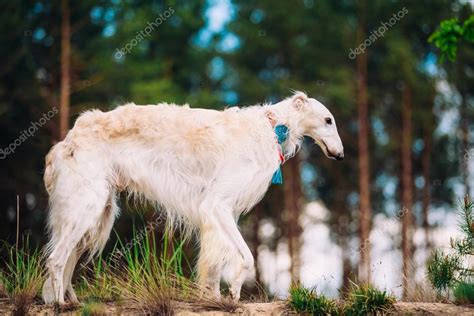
{"x": 272, "y": 308}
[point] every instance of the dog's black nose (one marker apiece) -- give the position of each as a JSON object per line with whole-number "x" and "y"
{"x": 340, "y": 157}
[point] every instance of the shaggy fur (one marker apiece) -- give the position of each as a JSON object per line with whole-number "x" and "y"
{"x": 203, "y": 167}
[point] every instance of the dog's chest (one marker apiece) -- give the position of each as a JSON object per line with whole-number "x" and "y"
{"x": 252, "y": 174}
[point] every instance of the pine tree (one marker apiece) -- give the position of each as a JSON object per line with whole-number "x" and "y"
{"x": 452, "y": 271}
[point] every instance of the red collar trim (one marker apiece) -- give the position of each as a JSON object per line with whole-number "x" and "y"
{"x": 272, "y": 119}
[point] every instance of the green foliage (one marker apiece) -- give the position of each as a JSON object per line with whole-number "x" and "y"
{"x": 441, "y": 270}
{"x": 448, "y": 35}
{"x": 367, "y": 300}
{"x": 448, "y": 271}
{"x": 467, "y": 224}
{"x": 464, "y": 293}
{"x": 304, "y": 300}
{"x": 151, "y": 92}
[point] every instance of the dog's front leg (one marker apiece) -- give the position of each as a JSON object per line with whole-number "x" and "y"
{"x": 209, "y": 266}
{"x": 214, "y": 250}
{"x": 241, "y": 257}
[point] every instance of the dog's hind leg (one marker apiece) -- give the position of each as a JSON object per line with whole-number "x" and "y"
{"x": 101, "y": 234}
{"x": 68, "y": 272}
{"x": 71, "y": 218}
{"x": 58, "y": 258}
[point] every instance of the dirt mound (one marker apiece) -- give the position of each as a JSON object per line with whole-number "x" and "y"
{"x": 271, "y": 308}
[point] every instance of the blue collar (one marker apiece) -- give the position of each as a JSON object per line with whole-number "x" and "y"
{"x": 281, "y": 132}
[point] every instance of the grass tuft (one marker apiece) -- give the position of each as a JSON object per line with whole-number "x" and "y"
{"x": 93, "y": 308}
{"x": 464, "y": 293}
{"x": 22, "y": 276}
{"x": 23, "y": 272}
{"x": 98, "y": 283}
{"x": 365, "y": 299}
{"x": 304, "y": 300}
{"x": 361, "y": 300}
{"x": 150, "y": 280}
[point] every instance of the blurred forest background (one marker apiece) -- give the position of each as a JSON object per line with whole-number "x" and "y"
{"x": 405, "y": 117}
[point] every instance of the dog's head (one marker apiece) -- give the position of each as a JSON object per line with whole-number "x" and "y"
{"x": 318, "y": 123}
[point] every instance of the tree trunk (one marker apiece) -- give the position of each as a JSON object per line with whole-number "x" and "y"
{"x": 344, "y": 237}
{"x": 292, "y": 193}
{"x": 363, "y": 143}
{"x": 407, "y": 192}
{"x": 426, "y": 162}
{"x": 65, "y": 69}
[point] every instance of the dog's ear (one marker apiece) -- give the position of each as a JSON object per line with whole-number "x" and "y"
{"x": 299, "y": 99}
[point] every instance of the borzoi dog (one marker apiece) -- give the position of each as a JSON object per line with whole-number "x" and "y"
{"x": 203, "y": 167}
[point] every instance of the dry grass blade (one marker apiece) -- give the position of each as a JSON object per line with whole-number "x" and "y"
{"x": 3, "y": 291}
{"x": 224, "y": 304}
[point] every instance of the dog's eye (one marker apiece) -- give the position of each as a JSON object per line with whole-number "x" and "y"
{"x": 328, "y": 121}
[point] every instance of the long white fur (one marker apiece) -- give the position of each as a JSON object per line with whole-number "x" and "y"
{"x": 203, "y": 167}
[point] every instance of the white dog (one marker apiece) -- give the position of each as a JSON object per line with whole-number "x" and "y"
{"x": 204, "y": 167}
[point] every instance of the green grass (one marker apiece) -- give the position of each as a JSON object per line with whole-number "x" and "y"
{"x": 154, "y": 282}
{"x": 93, "y": 308}
{"x": 98, "y": 282}
{"x": 23, "y": 271}
{"x": 22, "y": 276}
{"x": 367, "y": 300}
{"x": 141, "y": 275}
{"x": 304, "y": 300}
{"x": 464, "y": 293}
{"x": 361, "y": 300}
{"x": 136, "y": 273}
{"x": 151, "y": 280}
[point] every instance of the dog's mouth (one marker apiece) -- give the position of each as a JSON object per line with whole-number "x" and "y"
{"x": 328, "y": 153}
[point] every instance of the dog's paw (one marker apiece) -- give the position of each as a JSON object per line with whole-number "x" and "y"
{"x": 47, "y": 293}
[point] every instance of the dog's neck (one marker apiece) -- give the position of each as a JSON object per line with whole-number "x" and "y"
{"x": 284, "y": 113}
